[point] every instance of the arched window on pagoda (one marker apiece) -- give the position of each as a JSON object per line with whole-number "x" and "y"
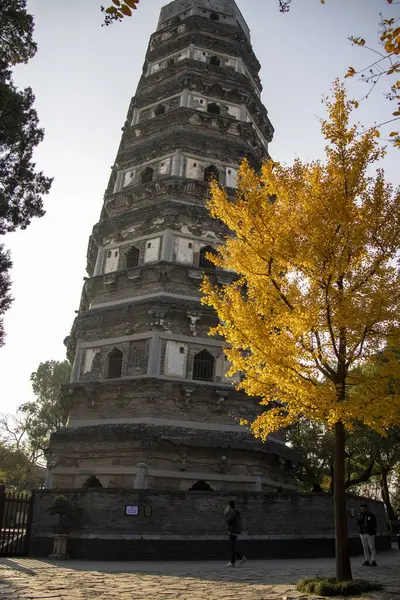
{"x": 214, "y": 16}
{"x": 214, "y": 108}
{"x": 203, "y": 366}
{"x": 114, "y": 364}
{"x": 215, "y": 60}
{"x": 201, "y": 486}
{"x": 132, "y": 257}
{"x": 211, "y": 173}
{"x": 204, "y": 263}
{"x": 159, "y": 110}
{"x": 147, "y": 175}
{"x": 92, "y": 482}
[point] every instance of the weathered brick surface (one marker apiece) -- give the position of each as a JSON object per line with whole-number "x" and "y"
{"x": 164, "y": 399}
{"x": 201, "y": 513}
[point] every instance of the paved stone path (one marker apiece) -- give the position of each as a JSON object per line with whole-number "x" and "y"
{"x": 31, "y": 579}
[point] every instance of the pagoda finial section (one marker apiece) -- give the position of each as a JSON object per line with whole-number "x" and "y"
{"x": 225, "y": 11}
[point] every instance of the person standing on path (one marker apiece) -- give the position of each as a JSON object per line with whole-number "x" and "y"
{"x": 366, "y": 521}
{"x": 234, "y": 524}
{"x": 396, "y": 529}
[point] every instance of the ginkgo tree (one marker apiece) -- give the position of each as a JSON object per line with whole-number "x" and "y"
{"x": 317, "y": 295}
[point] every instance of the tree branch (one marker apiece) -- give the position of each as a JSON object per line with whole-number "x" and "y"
{"x": 276, "y": 285}
{"x": 329, "y": 317}
{"x": 365, "y": 476}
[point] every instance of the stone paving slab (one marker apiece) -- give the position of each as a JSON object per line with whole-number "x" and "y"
{"x": 31, "y": 579}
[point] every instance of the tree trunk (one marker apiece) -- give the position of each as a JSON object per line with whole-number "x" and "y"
{"x": 332, "y": 474}
{"x": 343, "y": 568}
{"x": 386, "y": 497}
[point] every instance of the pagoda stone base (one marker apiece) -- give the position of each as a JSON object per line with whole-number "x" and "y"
{"x": 168, "y": 457}
{"x": 191, "y": 525}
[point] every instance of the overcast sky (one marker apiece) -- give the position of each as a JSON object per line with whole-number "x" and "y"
{"x": 83, "y": 77}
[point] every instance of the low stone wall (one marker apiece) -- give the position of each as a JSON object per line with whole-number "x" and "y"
{"x": 191, "y": 525}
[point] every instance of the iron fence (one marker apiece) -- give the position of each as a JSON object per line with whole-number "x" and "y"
{"x": 16, "y": 511}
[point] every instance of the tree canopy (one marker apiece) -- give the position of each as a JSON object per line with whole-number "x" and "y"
{"x": 14, "y": 466}
{"x": 47, "y": 413}
{"x": 21, "y": 185}
{"x": 369, "y": 458}
{"x": 24, "y": 438}
{"x": 315, "y": 246}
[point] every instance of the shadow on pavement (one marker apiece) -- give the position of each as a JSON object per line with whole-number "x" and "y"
{"x": 254, "y": 572}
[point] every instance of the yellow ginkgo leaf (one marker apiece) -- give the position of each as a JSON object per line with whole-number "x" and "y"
{"x": 351, "y": 72}
{"x": 126, "y": 10}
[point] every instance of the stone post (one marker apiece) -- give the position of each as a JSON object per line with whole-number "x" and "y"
{"x": 59, "y": 547}
{"x": 135, "y": 116}
{"x": 99, "y": 261}
{"x": 185, "y": 98}
{"x": 167, "y": 250}
{"x": 153, "y": 365}
{"x": 176, "y": 163}
{"x": 258, "y": 484}
{"x": 76, "y": 367}
{"x": 140, "y": 482}
{"x": 49, "y": 481}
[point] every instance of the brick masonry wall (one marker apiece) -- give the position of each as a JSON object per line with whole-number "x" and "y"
{"x": 273, "y": 524}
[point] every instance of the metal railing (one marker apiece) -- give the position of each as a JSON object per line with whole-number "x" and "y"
{"x": 16, "y": 512}
{"x": 203, "y": 367}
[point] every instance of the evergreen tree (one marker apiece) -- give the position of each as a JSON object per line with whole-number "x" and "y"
{"x": 21, "y": 185}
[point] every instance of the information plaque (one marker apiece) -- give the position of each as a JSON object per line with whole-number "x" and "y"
{"x": 132, "y": 511}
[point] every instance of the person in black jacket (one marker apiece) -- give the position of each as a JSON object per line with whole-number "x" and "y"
{"x": 366, "y": 521}
{"x": 396, "y": 529}
{"x": 234, "y": 524}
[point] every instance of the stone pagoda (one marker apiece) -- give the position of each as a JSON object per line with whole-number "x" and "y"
{"x": 150, "y": 404}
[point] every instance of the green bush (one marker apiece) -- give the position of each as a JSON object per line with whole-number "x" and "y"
{"x": 327, "y": 586}
{"x": 69, "y": 514}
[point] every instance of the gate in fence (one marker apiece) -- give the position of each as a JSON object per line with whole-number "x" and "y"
{"x": 16, "y": 511}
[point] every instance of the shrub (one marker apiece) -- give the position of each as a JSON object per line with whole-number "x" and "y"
{"x": 69, "y": 514}
{"x": 328, "y": 586}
